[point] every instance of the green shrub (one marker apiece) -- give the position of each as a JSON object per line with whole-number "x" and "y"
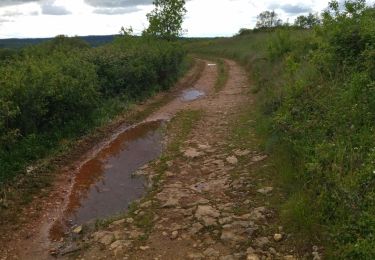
{"x": 59, "y": 90}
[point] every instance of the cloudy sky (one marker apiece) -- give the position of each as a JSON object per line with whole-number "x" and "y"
{"x": 46, "y": 18}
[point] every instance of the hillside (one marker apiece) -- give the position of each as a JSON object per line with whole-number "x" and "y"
{"x": 93, "y": 40}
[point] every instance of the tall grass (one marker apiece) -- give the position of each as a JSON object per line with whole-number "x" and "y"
{"x": 317, "y": 114}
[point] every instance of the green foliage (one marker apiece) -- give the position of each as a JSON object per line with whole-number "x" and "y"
{"x": 268, "y": 19}
{"x": 166, "y": 19}
{"x": 59, "y": 90}
{"x": 307, "y": 22}
{"x": 316, "y": 104}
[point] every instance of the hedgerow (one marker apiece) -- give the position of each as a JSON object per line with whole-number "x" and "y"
{"x": 57, "y": 90}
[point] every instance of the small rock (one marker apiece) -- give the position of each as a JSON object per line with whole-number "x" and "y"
{"x": 146, "y": 204}
{"x": 70, "y": 249}
{"x": 195, "y": 256}
{"x": 144, "y": 248}
{"x": 252, "y": 257}
{"x": 210, "y": 252}
{"x": 119, "y": 243}
{"x": 257, "y": 213}
{"x": 316, "y": 256}
{"x": 169, "y": 174}
{"x": 77, "y": 230}
{"x": 129, "y": 220}
{"x": 135, "y": 234}
{"x": 261, "y": 242}
{"x": 204, "y": 146}
{"x": 103, "y": 237}
{"x": 208, "y": 221}
{"x": 192, "y": 153}
{"x": 259, "y": 158}
{"x": 170, "y": 163}
{"x": 272, "y": 251}
{"x": 205, "y": 210}
{"x": 118, "y": 222}
{"x": 53, "y": 252}
{"x": 232, "y": 160}
{"x": 174, "y": 234}
{"x": 265, "y": 190}
{"x": 250, "y": 250}
{"x": 170, "y": 203}
{"x": 106, "y": 239}
{"x": 226, "y": 220}
{"x": 242, "y": 152}
{"x": 230, "y": 237}
{"x": 278, "y": 237}
{"x": 196, "y": 227}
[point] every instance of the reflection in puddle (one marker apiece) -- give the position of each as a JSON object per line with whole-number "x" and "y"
{"x": 191, "y": 94}
{"x": 104, "y": 185}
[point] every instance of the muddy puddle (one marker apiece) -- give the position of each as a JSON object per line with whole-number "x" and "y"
{"x": 104, "y": 185}
{"x": 191, "y": 94}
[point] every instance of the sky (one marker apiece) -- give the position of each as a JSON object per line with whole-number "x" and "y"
{"x": 204, "y": 18}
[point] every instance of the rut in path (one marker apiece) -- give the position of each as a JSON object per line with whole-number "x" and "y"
{"x": 201, "y": 211}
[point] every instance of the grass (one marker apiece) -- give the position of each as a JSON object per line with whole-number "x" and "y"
{"x": 251, "y": 129}
{"x": 314, "y": 116}
{"x": 223, "y": 75}
{"x": 15, "y": 196}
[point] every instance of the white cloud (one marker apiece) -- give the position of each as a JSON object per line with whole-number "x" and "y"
{"x": 100, "y": 17}
{"x": 51, "y": 7}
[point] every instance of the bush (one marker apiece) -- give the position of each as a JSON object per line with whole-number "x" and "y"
{"x": 60, "y": 89}
{"x": 316, "y": 97}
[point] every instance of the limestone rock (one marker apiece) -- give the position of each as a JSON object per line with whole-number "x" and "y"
{"x": 195, "y": 256}
{"x": 261, "y": 242}
{"x": 210, "y": 252}
{"x": 278, "y": 237}
{"x": 206, "y": 211}
{"x": 192, "y": 153}
{"x": 231, "y": 237}
{"x": 258, "y": 158}
{"x": 232, "y": 160}
{"x": 196, "y": 227}
{"x": 242, "y": 152}
{"x": 103, "y": 237}
{"x": 174, "y": 234}
{"x": 265, "y": 190}
{"x": 252, "y": 257}
{"x": 77, "y": 230}
{"x": 118, "y": 222}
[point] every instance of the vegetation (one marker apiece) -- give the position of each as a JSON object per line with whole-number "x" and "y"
{"x": 166, "y": 19}
{"x": 268, "y": 19}
{"x": 60, "y": 89}
{"x": 316, "y": 110}
{"x": 307, "y": 22}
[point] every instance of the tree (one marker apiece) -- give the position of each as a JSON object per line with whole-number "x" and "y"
{"x": 307, "y": 22}
{"x": 166, "y": 19}
{"x": 268, "y": 19}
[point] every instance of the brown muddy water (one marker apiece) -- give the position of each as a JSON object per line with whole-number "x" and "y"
{"x": 104, "y": 185}
{"x": 191, "y": 94}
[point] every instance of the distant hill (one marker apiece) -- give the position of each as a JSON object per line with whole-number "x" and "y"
{"x": 19, "y": 43}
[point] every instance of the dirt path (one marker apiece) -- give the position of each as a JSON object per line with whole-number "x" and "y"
{"x": 210, "y": 203}
{"x": 208, "y": 200}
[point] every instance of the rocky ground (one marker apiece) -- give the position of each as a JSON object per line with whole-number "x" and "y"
{"x": 210, "y": 195}
{"x": 208, "y": 202}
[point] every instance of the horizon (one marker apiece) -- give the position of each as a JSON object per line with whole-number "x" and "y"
{"x": 24, "y": 19}
{"x": 35, "y": 19}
